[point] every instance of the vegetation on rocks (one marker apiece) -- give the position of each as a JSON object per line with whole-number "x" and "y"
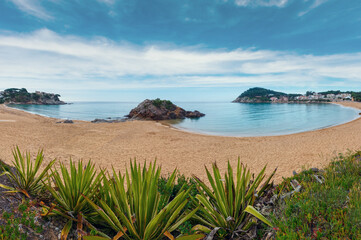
{"x": 161, "y": 110}
{"x": 22, "y": 96}
{"x": 12, "y": 224}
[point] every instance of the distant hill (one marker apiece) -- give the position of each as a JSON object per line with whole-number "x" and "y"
{"x": 22, "y": 96}
{"x": 263, "y": 95}
{"x": 261, "y": 92}
{"x": 258, "y": 94}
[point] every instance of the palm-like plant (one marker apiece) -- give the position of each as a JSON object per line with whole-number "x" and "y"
{"x": 27, "y": 179}
{"x": 227, "y": 203}
{"x": 132, "y": 205}
{"x": 69, "y": 189}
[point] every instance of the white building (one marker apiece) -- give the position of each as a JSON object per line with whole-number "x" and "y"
{"x": 331, "y": 96}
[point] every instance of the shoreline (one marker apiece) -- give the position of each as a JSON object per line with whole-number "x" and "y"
{"x": 115, "y": 144}
{"x": 166, "y": 123}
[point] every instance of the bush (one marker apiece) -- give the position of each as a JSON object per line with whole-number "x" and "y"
{"x": 132, "y": 204}
{"x": 166, "y": 103}
{"x": 70, "y": 189}
{"x": 227, "y": 207}
{"x": 27, "y": 179}
{"x": 182, "y": 183}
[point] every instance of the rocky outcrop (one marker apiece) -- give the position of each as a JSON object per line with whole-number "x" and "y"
{"x": 22, "y": 96}
{"x": 161, "y": 110}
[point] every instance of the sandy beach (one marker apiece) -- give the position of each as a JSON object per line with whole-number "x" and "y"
{"x": 114, "y": 144}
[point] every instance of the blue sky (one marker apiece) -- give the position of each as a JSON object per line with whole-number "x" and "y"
{"x": 191, "y": 50}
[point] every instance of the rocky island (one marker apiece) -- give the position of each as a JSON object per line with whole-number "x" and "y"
{"x": 161, "y": 110}
{"x": 262, "y": 95}
{"x": 22, "y": 96}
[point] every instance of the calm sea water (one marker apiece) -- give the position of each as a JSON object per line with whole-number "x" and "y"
{"x": 223, "y": 118}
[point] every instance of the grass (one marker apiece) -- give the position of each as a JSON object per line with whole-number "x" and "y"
{"x": 331, "y": 210}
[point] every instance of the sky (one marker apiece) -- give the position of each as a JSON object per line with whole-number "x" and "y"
{"x": 182, "y": 50}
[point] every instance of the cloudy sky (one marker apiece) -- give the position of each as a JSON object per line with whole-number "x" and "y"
{"x": 183, "y": 50}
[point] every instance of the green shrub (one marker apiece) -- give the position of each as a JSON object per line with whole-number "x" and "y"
{"x": 131, "y": 205}
{"x": 166, "y": 103}
{"x": 28, "y": 179}
{"x": 182, "y": 183}
{"x": 70, "y": 188}
{"x": 228, "y": 204}
{"x": 157, "y": 102}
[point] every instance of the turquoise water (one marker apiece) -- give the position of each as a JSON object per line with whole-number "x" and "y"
{"x": 222, "y": 118}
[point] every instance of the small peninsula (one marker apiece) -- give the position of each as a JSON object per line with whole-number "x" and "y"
{"x": 161, "y": 110}
{"x": 22, "y": 96}
{"x": 262, "y": 95}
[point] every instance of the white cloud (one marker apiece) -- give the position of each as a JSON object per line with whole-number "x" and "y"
{"x": 315, "y": 4}
{"x": 261, "y": 3}
{"x": 32, "y": 7}
{"x": 44, "y": 59}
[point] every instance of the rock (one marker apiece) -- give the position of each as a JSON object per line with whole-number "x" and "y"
{"x": 107, "y": 121}
{"x": 195, "y": 114}
{"x": 160, "y": 110}
{"x": 314, "y": 169}
{"x": 68, "y": 121}
{"x": 294, "y": 173}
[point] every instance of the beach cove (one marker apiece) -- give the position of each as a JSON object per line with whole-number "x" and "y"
{"x": 115, "y": 144}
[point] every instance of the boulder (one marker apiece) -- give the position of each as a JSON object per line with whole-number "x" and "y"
{"x": 160, "y": 110}
{"x": 195, "y": 114}
{"x": 68, "y": 121}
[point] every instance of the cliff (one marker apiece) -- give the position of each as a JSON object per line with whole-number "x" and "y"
{"x": 161, "y": 110}
{"x": 22, "y": 96}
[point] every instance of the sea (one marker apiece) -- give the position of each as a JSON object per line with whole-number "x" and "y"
{"x": 222, "y": 118}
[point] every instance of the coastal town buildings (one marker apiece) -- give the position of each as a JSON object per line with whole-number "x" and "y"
{"x": 327, "y": 97}
{"x": 311, "y": 97}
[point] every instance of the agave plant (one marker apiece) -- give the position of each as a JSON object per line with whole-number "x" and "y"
{"x": 227, "y": 204}
{"x": 133, "y": 208}
{"x": 27, "y": 177}
{"x": 69, "y": 189}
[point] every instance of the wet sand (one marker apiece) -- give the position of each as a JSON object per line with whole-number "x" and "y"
{"x": 114, "y": 144}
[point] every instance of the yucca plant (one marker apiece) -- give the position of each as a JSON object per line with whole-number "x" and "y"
{"x": 227, "y": 203}
{"x": 69, "y": 189}
{"x": 132, "y": 206}
{"x": 27, "y": 177}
